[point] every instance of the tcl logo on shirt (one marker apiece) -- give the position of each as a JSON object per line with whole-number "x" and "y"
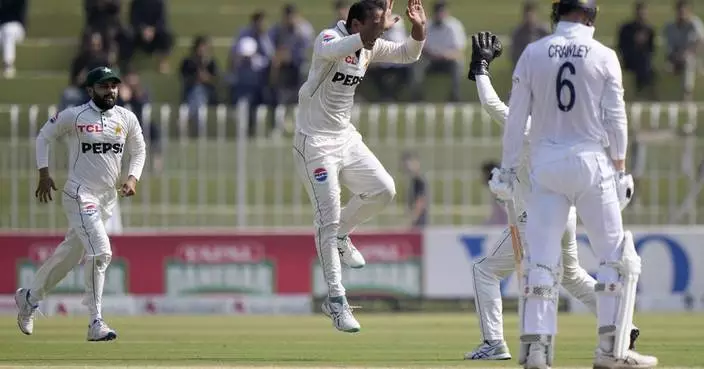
{"x": 89, "y": 128}
{"x": 102, "y": 147}
{"x": 347, "y": 79}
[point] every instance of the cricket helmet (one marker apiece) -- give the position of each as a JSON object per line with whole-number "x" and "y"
{"x": 562, "y": 7}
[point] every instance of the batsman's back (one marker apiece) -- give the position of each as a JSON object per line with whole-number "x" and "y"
{"x": 575, "y": 85}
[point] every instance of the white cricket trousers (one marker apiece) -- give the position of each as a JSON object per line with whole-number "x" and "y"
{"x": 10, "y": 34}
{"x": 582, "y": 175}
{"x": 86, "y": 212}
{"x": 323, "y": 164}
{"x": 488, "y": 272}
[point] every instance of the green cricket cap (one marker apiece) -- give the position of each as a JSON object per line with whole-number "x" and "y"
{"x": 101, "y": 74}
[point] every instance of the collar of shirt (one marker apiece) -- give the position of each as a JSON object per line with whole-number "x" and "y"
{"x": 572, "y": 28}
{"x": 107, "y": 113}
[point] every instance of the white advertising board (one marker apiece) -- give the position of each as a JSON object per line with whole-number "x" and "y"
{"x": 672, "y": 259}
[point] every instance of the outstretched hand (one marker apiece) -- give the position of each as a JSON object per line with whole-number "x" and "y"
{"x": 485, "y": 48}
{"x": 389, "y": 18}
{"x": 416, "y": 13}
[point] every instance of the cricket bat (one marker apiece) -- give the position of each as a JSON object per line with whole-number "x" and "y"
{"x": 515, "y": 238}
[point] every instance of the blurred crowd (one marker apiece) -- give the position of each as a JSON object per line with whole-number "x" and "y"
{"x": 268, "y": 58}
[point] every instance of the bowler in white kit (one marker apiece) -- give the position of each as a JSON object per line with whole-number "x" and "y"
{"x": 571, "y": 87}
{"x": 97, "y": 135}
{"x": 328, "y": 151}
{"x": 499, "y": 263}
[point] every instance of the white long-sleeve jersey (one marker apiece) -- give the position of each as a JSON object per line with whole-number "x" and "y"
{"x": 571, "y": 86}
{"x": 96, "y": 140}
{"x": 338, "y": 65}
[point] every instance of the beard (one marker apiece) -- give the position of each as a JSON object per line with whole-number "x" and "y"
{"x": 105, "y": 102}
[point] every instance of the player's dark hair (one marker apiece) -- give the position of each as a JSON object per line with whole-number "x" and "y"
{"x": 362, "y": 10}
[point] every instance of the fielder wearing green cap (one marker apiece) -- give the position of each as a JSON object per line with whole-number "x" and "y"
{"x": 96, "y": 134}
{"x": 101, "y": 83}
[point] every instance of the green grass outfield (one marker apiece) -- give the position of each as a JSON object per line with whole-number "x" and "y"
{"x": 390, "y": 341}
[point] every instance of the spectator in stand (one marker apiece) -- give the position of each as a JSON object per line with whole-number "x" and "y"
{"x": 91, "y": 55}
{"x": 389, "y": 78}
{"x": 530, "y": 29}
{"x": 249, "y": 66}
{"x": 443, "y": 51}
{"x": 636, "y": 44}
{"x": 341, "y": 7}
{"x": 104, "y": 16}
{"x": 417, "y": 191}
{"x": 151, "y": 33}
{"x": 13, "y": 15}
{"x": 135, "y": 96}
{"x": 498, "y": 214}
{"x": 198, "y": 73}
{"x": 683, "y": 38}
{"x": 292, "y": 39}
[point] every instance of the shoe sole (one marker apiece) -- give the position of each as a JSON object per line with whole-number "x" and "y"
{"x": 624, "y": 366}
{"x": 19, "y": 324}
{"x": 490, "y": 358}
{"x": 109, "y": 337}
{"x": 327, "y": 314}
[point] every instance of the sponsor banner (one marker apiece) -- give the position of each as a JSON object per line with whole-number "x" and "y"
{"x": 672, "y": 273}
{"x": 393, "y": 269}
{"x": 65, "y": 305}
{"x": 236, "y": 264}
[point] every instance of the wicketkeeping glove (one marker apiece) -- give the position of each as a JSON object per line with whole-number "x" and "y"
{"x": 503, "y": 183}
{"x": 485, "y": 48}
{"x": 624, "y": 188}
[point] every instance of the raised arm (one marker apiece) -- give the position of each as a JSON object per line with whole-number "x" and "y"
{"x": 330, "y": 45}
{"x": 409, "y": 51}
{"x": 485, "y": 48}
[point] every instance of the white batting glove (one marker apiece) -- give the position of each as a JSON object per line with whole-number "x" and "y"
{"x": 502, "y": 183}
{"x": 624, "y": 188}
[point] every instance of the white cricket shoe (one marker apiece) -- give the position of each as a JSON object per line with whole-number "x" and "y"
{"x": 537, "y": 357}
{"x": 100, "y": 331}
{"x": 25, "y": 314}
{"x": 340, "y": 312}
{"x": 349, "y": 255}
{"x": 633, "y": 360}
{"x": 489, "y": 350}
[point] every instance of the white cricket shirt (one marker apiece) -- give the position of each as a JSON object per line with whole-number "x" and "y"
{"x": 96, "y": 141}
{"x": 338, "y": 65}
{"x": 571, "y": 86}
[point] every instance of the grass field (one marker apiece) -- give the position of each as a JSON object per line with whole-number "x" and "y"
{"x": 399, "y": 340}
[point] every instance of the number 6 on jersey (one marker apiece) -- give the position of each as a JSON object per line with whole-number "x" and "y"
{"x": 561, "y": 83}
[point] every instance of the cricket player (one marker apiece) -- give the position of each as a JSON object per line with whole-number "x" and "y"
{"x": 499, "y": 263}
{"x": 97, "y": 133}
{"x": 571, "y": 87}
{"x": 328, "y": 150}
